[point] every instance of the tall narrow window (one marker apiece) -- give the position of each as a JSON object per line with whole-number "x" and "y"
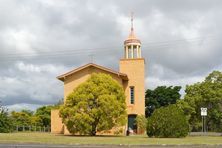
{"x": 131, "y": 94}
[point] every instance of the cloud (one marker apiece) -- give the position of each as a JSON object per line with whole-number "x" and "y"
{"x": 22, "y": 106}
{"x": 41, "y": 39}
{"x": 29, "y": 83}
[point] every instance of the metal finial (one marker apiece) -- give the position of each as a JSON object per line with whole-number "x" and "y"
{"x": 131, "y": 21}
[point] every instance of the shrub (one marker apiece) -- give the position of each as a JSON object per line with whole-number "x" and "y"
{"x": 141, "y": 123}
{"x": 166, "y": 122}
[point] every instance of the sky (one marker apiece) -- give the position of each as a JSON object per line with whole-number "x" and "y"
{"x": 41, "y": 39}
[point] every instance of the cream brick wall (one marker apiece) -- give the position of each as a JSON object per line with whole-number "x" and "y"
{"x": 56, "y": 122}
{"x": 70, "y": 83}
{"x": 134, "y": 68}
{"x": 81, "y": 76}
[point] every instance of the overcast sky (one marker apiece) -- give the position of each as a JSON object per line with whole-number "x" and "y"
{"x": 41, "y": 39}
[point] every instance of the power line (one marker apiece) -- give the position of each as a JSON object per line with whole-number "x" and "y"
{"x": 147, "y": 44}
{"x": 67, "y": 53}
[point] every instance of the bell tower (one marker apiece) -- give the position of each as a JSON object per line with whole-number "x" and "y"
{"x": 132, "y": 45}
{"x": 133, "y": 65}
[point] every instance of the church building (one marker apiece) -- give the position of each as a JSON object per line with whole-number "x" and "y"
{"x": 131, "y": 76}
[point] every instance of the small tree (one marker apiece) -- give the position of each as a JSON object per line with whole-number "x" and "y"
{"x": 141, "y": 123}
{"x": 167, "y": 121}
{"x": 95, "y": 105}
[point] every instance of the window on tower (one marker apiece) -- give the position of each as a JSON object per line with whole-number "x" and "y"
{"x": 132, "y": 95}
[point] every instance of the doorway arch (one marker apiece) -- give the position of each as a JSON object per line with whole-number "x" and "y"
{"x": 132, "y": 127}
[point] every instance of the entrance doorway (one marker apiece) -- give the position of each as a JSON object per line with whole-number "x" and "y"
{"x": 132, "y": 127}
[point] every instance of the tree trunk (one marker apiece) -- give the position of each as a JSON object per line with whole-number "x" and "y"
{"x": 93, "y": 132}
{"x": 94, "y": 125}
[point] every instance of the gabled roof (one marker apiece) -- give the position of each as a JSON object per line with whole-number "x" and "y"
{"x": 122, "y": 75}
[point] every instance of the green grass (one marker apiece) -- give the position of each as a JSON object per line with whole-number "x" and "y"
{"x": 47, "y": 138}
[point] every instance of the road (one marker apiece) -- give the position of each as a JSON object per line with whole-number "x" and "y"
{"x": 104, "y": 146}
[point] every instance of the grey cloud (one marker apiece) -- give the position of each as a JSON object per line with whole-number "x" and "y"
{"x": 180, "y": 42}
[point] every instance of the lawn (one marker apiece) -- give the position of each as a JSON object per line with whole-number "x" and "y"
{"x": 47, "y": 138}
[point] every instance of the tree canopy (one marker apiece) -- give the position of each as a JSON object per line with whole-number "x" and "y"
{"x": 25, "y": 118}
{"x": 5, "y": 120}
{"x": 161, "y": 96}
{"x": 95, "y": 105}
{"x": 206, "y": 94}
{"x": 44, "y": 115}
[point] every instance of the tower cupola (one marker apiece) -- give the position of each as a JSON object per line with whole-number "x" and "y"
{"x": 132, "y": 44}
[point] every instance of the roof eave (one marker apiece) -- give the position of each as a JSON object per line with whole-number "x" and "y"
{"x": 63, "y": 76}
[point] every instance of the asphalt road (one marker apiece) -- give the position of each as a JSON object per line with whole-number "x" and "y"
{"x": 104, "y": 146}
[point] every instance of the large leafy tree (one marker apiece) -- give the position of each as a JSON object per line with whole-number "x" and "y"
{"x": 95, "y": 105}
{"x": 161, "y": 96}
{"x": 206, "y": 94}
{"x": 44, "y": 114}
{"x": 5, "y": 121}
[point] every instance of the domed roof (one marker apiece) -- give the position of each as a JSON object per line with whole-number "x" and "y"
{"x": 132, "y": 38}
